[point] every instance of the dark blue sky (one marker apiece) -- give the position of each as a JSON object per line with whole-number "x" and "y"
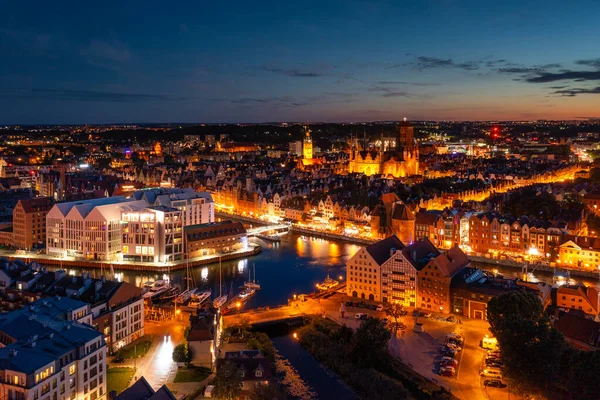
{"x": 252, "y": 61}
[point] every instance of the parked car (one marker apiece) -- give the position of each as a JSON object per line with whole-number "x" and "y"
{"x": 450, "y": 347}
{"x": 451, "y": 318}
{"x": 494, "y": 365}
{"x": 447, "y": 359}
{"x": 453, "y": 345}
{"x": 360, "y": 315}
{"x": 379, "y": 307}
{"x": 447, "y": 371}
{"x": 491, "y": 373}
{"x": 455, "y": 342}
{"x": 449, "y": 353}
{"x": 118, "y": 360}
{"x": 494, "y": 383}
{"x": 448, "y": 362}
{"x": 403, "y": 312}
{"x": 454, "y": 336}
{"x": 495, "y": 353}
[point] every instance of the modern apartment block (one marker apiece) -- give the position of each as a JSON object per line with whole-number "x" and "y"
{"x": 29, "y": 222}
{"x": 196, "y": 207}
{"x": 118, "y": 313}
{"x": 47, "y": 354}
{"x": 115, "y": 229}
{"x": 88, "y": 229}
{"x": 153, "y": 234}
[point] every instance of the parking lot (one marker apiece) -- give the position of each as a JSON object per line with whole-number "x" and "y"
{"x": 422, "y": 350}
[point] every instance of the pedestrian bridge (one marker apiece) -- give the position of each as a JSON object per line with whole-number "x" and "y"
{"x": 264, "y": 229}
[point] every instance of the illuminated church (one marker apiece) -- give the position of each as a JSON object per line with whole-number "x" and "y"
{"x": 307, "y": 150}
{"x": 399, "y": 161}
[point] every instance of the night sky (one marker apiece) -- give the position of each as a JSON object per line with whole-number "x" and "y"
{"x": 255, "y": 61}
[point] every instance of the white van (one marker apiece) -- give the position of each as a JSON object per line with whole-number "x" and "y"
{"x": 491, "y": 373}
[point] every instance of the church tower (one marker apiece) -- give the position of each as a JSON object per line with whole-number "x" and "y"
{"x": 406, "y": 137}
{"x": 307, "y": 146}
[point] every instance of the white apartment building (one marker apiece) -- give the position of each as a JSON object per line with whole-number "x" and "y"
{"x": 153, "y": 234}
{"x": 196, "y": 207}
{"x": 50, "y": 356}
{"x": 89, "y": 229}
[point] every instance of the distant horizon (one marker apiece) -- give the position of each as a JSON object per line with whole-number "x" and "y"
{"x": 577, "y": 119}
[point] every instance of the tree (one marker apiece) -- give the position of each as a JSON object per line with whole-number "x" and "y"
{"x": 267, "y": 392}
{"x": 261, "y": 341}
{"x": 181, "y": 353}
{"x": 395, "y": 310}
{"x": 532, "y": 350}
{"x": 370, "y": 346}
{"x": 228, "y": 382}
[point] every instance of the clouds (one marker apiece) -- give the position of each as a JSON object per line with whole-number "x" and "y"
{"x": 422, "y": 63}
{"x": 564, "y": 75}
{"x": 295, "y": 73}
{"x": 86, "y": 95}
{"x": 594, "y": 63}
{"x": 577, "y": 91}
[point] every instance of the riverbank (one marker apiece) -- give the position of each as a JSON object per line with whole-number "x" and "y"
{"x": 303, "y": 231}
{"x": 531, "y": 267}
{"x": 365, "y": 365}
{"x": 131, "y": 266}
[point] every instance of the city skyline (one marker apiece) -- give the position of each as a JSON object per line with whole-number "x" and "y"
{"x": 271, "y": 62}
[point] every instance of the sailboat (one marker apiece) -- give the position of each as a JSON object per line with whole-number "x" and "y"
{"x": 252, "y": 284}
{"x": 187, "y": 293}
{"x": 222, "y": 299}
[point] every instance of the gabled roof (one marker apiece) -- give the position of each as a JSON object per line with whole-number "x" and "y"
{"x": 451, "y": 262}
{"x": 420, "y": 253}
{"x": 402, "y": 212}
{"x": 141, "y": 390}
{"x": 380, "y": 251}
{"x": 579, "y": 329}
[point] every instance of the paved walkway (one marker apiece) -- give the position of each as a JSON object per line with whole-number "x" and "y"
{"x": 188, "y": 388}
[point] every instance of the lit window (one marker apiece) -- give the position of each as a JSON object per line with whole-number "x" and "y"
{"x": 72, "y": 369}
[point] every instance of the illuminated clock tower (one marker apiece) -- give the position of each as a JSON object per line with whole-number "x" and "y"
{"x": 307, "y": 147}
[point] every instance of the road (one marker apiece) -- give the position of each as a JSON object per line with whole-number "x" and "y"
{"x": 157, "y": 365}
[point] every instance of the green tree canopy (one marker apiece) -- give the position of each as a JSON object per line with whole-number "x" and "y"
{"x": 228, "y": 382}
{"x": 532, "y": 350}
{"x": 370, "y": 343}
{"x": 180, "y": 353}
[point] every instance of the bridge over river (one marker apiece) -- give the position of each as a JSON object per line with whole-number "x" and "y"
{"x": 325, "y": 302}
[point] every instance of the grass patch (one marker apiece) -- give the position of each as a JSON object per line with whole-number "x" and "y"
{"x": 191, "y": 374}
{"x": 137, "y": 348}
{"x": 118, "y": 379}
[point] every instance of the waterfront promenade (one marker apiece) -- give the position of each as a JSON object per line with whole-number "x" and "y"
{"x": 69, "y": 262}
{"x": 516, "y": 265}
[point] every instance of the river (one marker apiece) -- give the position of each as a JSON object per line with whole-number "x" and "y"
{"x": 294, "y": 265}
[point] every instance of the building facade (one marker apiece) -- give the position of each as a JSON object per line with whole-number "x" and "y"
{"x": 29, "y": 222}
{"x": 47, "y": 354}
{"x": 401, "y": 161}
{"x": 217, "y": 237}
{"x": 433, "y": 281}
